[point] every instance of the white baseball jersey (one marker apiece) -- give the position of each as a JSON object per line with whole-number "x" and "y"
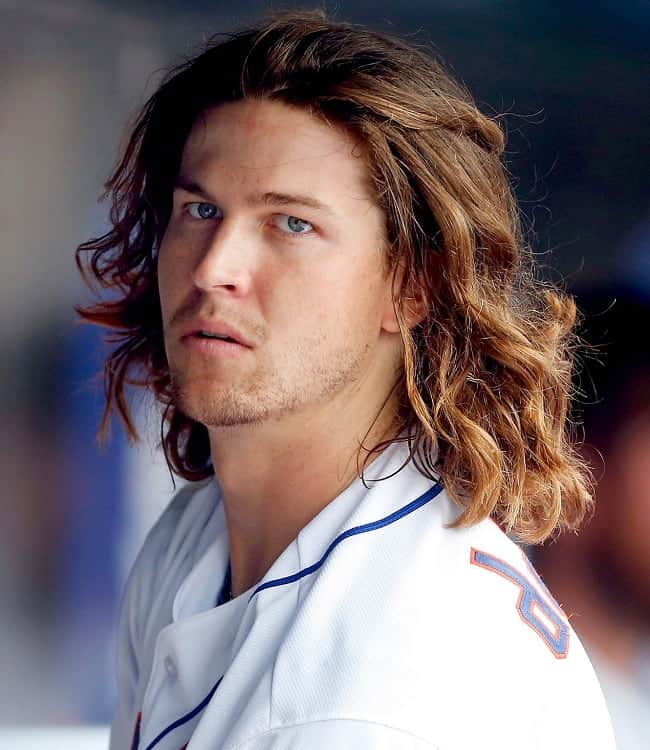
{"x": 377, "y": 628}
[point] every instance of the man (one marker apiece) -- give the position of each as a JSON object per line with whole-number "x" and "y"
{"x": 321, "y": 278}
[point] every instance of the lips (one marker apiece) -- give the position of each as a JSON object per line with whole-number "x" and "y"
{"x": 216, "y": 337}
{"x": 215, "y": 330}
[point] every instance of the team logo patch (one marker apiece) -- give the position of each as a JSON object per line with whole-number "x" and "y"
{"x": 535, "y": 604}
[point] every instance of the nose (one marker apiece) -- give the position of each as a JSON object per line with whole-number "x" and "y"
{"x": 225, "y": 259}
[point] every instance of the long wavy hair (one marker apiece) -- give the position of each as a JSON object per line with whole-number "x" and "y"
{"x": 486, "y": 384}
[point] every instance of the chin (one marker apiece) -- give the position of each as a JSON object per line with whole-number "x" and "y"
{"x": 220, "y": 410}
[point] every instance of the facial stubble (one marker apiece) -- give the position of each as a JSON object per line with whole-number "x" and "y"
{"x": 219, "y": 399}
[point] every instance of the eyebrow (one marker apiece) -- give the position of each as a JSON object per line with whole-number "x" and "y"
{"x": 269, "y": 198}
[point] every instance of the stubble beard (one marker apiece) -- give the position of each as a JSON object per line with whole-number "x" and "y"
{"x": 270, "y": 395}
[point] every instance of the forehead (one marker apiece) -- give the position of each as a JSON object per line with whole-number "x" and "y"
{"x": 271, "y": 145}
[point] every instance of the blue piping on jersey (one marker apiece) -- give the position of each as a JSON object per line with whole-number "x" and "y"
{"x": 188, "y": 716}
{"x": 414, "y": 505}
{"x": 432, "y": 492}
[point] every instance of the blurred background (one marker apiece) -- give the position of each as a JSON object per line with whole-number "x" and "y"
{"x": 572, "y": 78}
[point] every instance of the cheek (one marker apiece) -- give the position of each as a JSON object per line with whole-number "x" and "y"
{"x": 172, "y": 269}
{"x": 163, "y": 277}
{"x": 336, "y": 300}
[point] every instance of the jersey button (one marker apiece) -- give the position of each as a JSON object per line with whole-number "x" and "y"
{"x": 170, "y": 667}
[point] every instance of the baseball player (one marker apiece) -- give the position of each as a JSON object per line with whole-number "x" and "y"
{"x": 318, "y": 271}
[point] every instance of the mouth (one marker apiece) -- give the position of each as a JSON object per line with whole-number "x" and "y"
{"x": 211, "y": 344}
{"x": 212, "y": 330}
{"x": 215, "y": 336}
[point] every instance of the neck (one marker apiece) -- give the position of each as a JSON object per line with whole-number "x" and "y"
{"x": 278, "y": 476}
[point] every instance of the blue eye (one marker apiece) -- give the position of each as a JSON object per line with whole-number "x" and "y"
{"x": 295, "y": 225}
{"x": 202, "y": 210}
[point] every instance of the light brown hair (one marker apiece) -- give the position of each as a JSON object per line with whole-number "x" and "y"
{"x": 486, "y": 383}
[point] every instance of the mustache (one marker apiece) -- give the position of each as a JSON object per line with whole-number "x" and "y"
{"x": 196, "y": 309}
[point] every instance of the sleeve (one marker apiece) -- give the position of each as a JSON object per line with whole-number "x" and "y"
{"x": 127, "y": 666}
{"x": 342, "y": 734}
{"x": 136, "y": 603}
{"x": 576, "y": 714}
{"x": 566, "y": 730}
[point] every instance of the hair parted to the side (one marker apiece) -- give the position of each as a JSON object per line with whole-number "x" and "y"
{"x": 486, "y": 383}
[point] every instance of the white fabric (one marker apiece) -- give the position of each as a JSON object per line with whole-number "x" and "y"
{"x": 384, "y": 636}
{"x": 628, "y": 700}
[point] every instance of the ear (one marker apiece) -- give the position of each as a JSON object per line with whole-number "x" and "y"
{"x": 415, "y": 310}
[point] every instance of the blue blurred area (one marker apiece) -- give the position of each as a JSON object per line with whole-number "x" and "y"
{"x": 90, "y": 586}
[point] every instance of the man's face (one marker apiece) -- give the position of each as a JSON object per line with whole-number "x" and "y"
{"x": 274, "y": 232}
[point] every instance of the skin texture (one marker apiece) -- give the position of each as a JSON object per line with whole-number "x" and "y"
{"x": 285, "y": 417}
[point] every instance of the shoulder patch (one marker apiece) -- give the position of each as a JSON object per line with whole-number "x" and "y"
{"x": 535, "y": 604}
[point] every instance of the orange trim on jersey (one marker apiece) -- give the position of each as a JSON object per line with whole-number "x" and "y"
{"x": 561, "y": 635}
{"x": 544, "y": 589}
